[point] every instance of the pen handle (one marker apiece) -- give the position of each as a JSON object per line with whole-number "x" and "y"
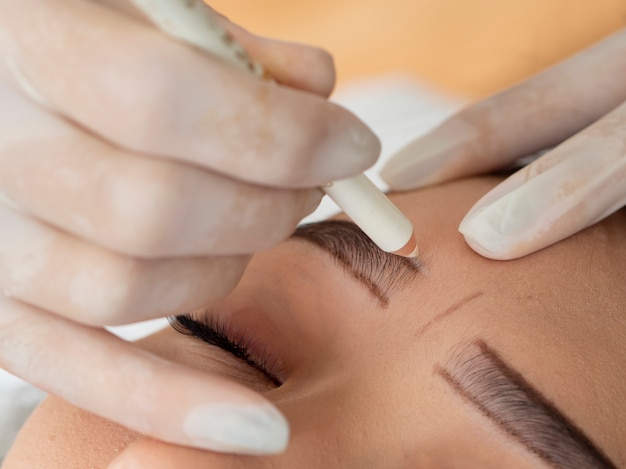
{"x": 194, "y": 22}
{"x": 372, "y": 211}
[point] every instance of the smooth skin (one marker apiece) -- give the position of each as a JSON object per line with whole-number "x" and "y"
{"x": 361, "y": 387}
{"x": 137, "y": 175}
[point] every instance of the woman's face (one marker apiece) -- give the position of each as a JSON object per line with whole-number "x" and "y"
{"x": 455, "y": 362}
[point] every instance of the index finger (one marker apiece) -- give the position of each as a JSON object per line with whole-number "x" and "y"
{"x": 534, "y": 115}
{"x": 98, "y": 372}
{"x": 92, "y": 65}
{"x": 572, "y": 187}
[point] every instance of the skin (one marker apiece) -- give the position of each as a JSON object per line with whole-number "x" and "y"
{"x": 361, "y": 387}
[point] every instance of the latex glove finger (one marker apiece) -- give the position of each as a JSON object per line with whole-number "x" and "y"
{"x": 145, "y": 207}
{"x": 529, "y": 117}
{"x": 304, "y": 67}
{"x": 57, "y": 272}
{"x": 568, "y": 189}
{"x": 100, "y": 373}
{"x": 93, "y": 65}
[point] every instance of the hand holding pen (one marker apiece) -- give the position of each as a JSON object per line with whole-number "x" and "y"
{"x": 137, "y": 175}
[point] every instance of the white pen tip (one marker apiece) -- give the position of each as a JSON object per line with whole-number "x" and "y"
{"x": 410, "y": 249}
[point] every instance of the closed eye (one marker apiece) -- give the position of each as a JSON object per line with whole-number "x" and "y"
{"x": 211, "y": 332}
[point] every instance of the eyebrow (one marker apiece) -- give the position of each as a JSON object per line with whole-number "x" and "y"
{"x": 502, "y": 394}
{"x": 380, "y": 272}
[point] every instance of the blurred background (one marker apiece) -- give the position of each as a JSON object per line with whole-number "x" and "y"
{"x": 470, "y": 48}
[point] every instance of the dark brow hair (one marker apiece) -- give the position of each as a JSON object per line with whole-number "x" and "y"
{"x": 483, "y": 378}
{"x": 381, "y": 272}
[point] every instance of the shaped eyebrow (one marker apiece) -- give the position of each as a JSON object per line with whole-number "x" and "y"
{"x": 502, "y": 394}
{"x": 380, "y": 272}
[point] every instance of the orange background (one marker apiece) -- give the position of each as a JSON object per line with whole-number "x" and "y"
{"x": 468, "y": 47}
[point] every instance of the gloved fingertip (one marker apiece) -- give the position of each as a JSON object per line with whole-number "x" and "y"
{"x": 239, "y": 429}
{"x": 510, "y": 227}
{"x": 430, "y": 159}
{"x": 486, "y": 241}
{"x": 410, "y": 169}
{"x": 345, "y": 151}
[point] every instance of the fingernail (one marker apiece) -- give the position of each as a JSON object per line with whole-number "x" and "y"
{"x": 514, "y": 219}
{"x": 241, "y": 429}
{"x": 430, "y": 158}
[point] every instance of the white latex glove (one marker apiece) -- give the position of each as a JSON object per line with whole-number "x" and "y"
{"x": 137, "y": 174}
{"x": 579, "y": 103}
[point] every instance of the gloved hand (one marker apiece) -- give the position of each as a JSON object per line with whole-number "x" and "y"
{"x": 137, "y": 174}
{"x": 579, "y": 104}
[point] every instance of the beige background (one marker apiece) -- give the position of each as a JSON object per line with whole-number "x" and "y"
{"x": 467, "y": 47}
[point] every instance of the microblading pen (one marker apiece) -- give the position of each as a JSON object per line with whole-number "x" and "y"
{"x": 193, "y": 22}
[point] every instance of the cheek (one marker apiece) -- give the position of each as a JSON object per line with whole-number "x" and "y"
{"x": 151, "y": 454}
{"x": 60, "y": 436}
{"x": 306, "y": 449}
{"x": 321, "y": 437}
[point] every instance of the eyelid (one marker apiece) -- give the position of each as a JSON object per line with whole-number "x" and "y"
{"x": 212, "y": 331}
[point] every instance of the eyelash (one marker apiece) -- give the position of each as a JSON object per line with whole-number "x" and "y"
{"x": 213, "y": 332}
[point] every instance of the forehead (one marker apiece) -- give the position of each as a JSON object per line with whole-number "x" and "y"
{"x": 557, "y": 317}
{"x": 558, "y": 314}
